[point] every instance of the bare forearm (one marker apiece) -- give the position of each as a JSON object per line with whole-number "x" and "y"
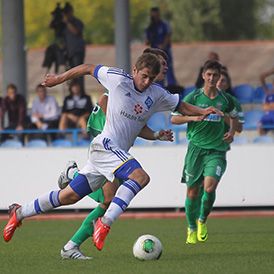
{"x": 76, "y": 72}
{"x": 188, "y": 109}
{"x": 52, "y": 80}
{"x": 233, "y": 125}
{"x": 180, "y": 119}
{"x": 147, "y": 133}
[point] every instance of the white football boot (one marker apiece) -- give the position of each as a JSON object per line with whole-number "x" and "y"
{"x": 66, "y": 176}
{"x": 74, "y": 254}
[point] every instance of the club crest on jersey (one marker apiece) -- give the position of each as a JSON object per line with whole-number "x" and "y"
{"x": 148, "y": 102}
{"x": 138, "y": 109}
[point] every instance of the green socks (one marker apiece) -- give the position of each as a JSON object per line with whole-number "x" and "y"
{"x": 86, "y": 229}
{"x": 206, "y": 205}
{"x": 192, "y": 211}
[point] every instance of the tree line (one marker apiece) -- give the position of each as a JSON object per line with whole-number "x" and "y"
{"x": 191, "y": 20}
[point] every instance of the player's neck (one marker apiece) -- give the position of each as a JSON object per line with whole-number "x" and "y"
{"x": 210, "y": 92}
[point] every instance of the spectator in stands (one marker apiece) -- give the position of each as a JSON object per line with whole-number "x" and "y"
{"x": 213, "y": 56}
{"x": 76, "y": 108}
{"x": 158, "y": 35}
{"x": 14, "y": 105}
{"x": 45, "y": 110}
{"x": 74, "y": 40}
{"x": 267, "y": 121}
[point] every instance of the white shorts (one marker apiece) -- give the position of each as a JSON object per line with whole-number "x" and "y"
{"x": 104, "y": 159}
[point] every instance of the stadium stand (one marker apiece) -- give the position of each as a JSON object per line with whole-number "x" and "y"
{"x": 258, "y": 96}
{"x": 187, "y": 90}
{"x": 240, "y": 140}
{"x": 83, "y": 143}
{"x": 61, "y": 143}
{"x": 244, "y": 93}
{"x": 12, "y": 144}
{"x": 265, "y": 139}
{"x": 252, "y": 119}
{"x": 37, "y": 143}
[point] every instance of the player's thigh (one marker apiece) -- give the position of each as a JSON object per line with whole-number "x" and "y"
{"x": 215, "y": 166}
{"x": 193, "y": 166}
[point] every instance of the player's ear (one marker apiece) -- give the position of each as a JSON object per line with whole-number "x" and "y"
{"x": 203, "y": 75}
{"x": 134, "y": 71}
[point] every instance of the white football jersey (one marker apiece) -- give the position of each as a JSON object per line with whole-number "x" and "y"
{"x": 128, "y": 110}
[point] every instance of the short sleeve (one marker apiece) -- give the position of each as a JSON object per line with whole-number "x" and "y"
{"x": 109, "y": 77}
{"x": 168, "y": 101}
{"x": 232, "y": 107}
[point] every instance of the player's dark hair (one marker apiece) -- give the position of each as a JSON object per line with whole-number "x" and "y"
{"x": 212, "y": 65}
{"x": 226, "y": 75}
{"x": 40, "y": 86}
{"x": 148, "y": 60}
{"x": 155, "y": 9}
{"x": 12, "y": 86}
{"x": 156, "y": 52}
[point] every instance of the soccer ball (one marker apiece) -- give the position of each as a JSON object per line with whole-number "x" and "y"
{"x": 147, "y": 247}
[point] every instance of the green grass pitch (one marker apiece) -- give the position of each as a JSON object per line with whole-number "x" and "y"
{"x": 235, "y": 245}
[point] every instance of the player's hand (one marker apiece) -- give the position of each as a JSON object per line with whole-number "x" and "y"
{"x": 51, "y": 80}
{"x": 213, "y": 110}
{"x": 164, "y": 135}
{"x": 229, "y": 137}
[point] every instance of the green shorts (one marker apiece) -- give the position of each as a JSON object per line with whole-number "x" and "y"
{"x": 200, "y": 163}
{"x": 97, "y": 195}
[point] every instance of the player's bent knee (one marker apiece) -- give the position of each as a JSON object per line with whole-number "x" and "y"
{"x": 193, "y": 192}
{"x": 140, "y": 176}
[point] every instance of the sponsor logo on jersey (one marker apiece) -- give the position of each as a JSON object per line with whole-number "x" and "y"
{"x": 131, "y": 117}
{"x": 138, "y": 109}
{"x": 148, "y": 102}
{"x": 213, "y": 118}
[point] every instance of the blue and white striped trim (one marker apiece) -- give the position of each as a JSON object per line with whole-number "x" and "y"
{"x": 37, "y": 207}
{"x": 120, "y": 155}
{"x": 133, "y": 186}
{"x": 96, "y": 70}
{"x": 121, "y": 203}
{"x": 54, "y": 198}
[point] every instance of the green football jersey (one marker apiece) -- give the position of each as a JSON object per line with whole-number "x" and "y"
{"x": 96, "y": 121}
{"x": 209, "y": 133}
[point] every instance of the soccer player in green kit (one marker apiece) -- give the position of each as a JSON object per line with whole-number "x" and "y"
{"x": 95, "y": 125}
{"x": 205, "y": 161}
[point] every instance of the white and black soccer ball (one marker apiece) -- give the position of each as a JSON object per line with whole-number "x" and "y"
{"x": 147, "y": 247}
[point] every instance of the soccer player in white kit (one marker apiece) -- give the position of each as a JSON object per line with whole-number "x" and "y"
{"x": 132, "y": 101}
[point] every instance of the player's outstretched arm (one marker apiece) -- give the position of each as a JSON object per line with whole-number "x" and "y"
{"x": 182, "y": 119}
{"x": 56, "y": 79}
{"x": 189, "y": 109}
